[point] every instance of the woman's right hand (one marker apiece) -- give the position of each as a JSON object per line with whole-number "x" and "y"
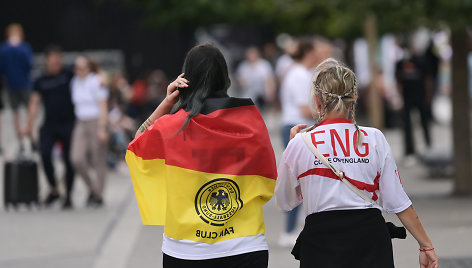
{"x": 167, "y": 104}
{"x": 428, "y": 259}
{"x": 172, "y": 89}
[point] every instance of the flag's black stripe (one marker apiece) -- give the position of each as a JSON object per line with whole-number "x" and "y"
{"x": 215, "y": 104}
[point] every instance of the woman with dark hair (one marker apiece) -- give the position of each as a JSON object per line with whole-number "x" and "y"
{"x": 203, "y": 166}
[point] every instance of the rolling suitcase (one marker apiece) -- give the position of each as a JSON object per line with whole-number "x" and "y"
{"x": 21, "y": 182}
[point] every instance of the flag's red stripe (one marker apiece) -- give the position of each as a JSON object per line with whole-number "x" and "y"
{"x": 328, "y": 173}
{"x": 227, "y": 141}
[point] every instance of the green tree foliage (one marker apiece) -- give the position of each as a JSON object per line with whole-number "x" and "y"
{"x": 333, "y": 18}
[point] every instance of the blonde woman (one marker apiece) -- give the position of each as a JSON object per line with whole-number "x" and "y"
{"x": 90, "y": 134}
{"x": 343, "y": 228}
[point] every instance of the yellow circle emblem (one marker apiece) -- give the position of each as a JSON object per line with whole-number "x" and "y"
{"x": 217, "y": 201}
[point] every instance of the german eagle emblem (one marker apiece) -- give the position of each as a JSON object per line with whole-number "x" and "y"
{"x": 217, "y": 201}
{"x": 220, "y": 200}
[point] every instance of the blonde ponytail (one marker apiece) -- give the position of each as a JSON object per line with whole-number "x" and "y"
{"x": 336, "y": 87}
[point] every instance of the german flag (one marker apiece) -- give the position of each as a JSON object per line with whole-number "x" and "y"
{"x": 207, "y": 183}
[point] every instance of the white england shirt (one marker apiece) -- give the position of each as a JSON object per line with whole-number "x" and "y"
{"x": 302, "y": 178}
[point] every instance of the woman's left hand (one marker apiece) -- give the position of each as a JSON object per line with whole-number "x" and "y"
{"x": 172, "y": 89}
{"x": 428, "y": 259}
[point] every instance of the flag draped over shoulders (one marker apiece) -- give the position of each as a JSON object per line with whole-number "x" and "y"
{"x": 208, "y": 182}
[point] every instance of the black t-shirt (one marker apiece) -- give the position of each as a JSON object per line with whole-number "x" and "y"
{"x": 56, "y": 95}
{"x": 410, "y": 74}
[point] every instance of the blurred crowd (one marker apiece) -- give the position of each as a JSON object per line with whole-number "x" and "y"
{"x": 90, "y": 114}
{"x": 410, "y": 74}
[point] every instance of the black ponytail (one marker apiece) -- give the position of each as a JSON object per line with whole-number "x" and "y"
{"x": 207, "y": 72}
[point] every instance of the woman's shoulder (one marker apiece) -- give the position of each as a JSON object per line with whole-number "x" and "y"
{"x": 169, "y": 119}
{"x": 372, "y": 130}
{"x": 296, "y": 144}
{"x": 375, "y": 133}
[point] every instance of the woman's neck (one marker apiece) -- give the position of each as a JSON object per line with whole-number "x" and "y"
{"x": 336, "y": 114}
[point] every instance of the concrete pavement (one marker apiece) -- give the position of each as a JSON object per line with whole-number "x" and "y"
{"x": 114, "y": 237}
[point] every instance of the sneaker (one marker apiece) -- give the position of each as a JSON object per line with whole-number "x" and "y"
{"x": 50, "y": 199}
{"x": 288, "y": 240}
{"x": 67, "y": 205}
{"x": 90, "y": 200}
{"x": 94, "y": 201}
{"x": 98, "y": 202}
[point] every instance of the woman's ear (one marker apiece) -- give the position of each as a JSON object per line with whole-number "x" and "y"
{"x": 317, "y": 102}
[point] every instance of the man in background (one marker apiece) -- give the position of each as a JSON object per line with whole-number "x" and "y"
{"x": 16, "y": 61}
{"x": 295, "y": 99}
{"x": 411, "y": 74}
{"x": 53, "y": 89}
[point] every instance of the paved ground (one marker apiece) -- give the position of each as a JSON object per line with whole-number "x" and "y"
{"x": 114, "y": 237}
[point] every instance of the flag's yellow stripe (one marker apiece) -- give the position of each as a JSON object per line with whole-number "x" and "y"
{"x": 150, "y": 187}
{"x": 176, "y": 188}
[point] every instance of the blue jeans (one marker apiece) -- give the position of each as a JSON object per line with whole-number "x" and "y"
{"x": 291, "y": 215}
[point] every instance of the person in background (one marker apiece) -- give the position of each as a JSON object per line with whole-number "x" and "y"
{"x": 121, "y": 126}
{"x": 285, "y": 62}
{"x": 53, "y": 90}
{"x": 295, "y": 100}
{"x": 431, "y": 62}
{"x": 411, "y": 74}
{"x": 139, "y": 94}
{"x": 90, "y": 132}
{"x": 323, "y": 49}
{"x": 1, "y": 106}
{"x": 157, "y": 86}
{"x": 469, "y": 61}
{"x": 271, "y": 53}
{"x": 16, "y": 61}
{"x": 256, "y": 78}
{"x": 155, "y": 91}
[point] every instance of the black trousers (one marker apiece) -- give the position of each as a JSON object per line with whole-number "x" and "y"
{"x": 411, "y": 102}
{"x": 345, "y": 238}
{"x": 48, "y": 136}
{"x": 257, "y": 259}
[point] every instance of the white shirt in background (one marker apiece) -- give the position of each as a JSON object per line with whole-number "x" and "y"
{"x": 304, "y": 179}
{"x": 254, "y": 76}
{"x": 294, "y": 93}
{"x": 282, "y": 66}
{"x": 86, "y": 95}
